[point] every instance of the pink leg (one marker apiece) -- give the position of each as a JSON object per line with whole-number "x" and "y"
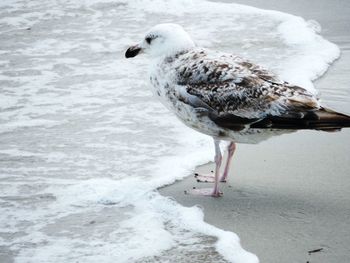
{"x": 218, "y": 159}
{"x": 230, "y": 151}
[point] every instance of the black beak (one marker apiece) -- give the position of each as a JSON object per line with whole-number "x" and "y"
{"x": 132, "y": 51}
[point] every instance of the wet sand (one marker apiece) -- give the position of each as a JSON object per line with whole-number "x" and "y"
{"x": 290, "y": 195}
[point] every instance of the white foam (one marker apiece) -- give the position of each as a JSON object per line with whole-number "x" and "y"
{"x": 85, "y": 145}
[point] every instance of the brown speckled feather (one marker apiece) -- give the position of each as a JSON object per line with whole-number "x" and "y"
{"x": 235, "y": 94}
{"x": 231, "y": 85}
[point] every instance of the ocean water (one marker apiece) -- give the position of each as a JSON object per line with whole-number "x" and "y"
{"x": 84, "y": 145}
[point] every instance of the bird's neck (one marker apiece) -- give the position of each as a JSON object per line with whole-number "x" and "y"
{"x": 169, "y": 57}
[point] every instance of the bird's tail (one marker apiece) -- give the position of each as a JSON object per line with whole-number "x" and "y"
{"x": 322, "y": 119}
{"x": 329, "y": 120}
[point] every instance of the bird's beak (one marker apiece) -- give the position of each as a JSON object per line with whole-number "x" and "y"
{"x": 133, "y": 51}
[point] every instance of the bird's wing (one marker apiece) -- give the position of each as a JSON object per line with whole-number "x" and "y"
{"x": 234, "y": 88}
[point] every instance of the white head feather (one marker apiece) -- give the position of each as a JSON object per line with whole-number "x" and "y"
{"x": 163, "y": 40}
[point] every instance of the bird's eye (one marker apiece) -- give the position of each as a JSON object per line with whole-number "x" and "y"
{"x": 149, "y": 40}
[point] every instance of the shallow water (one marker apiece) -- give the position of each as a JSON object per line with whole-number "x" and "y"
{"x": 84, "y": 144}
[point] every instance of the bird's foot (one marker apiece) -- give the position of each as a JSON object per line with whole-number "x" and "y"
{"x": 223, "y": 179}
{"x": 205, "y": 178}
{"x": 217, "y": 194}
{"x": 204, "y": 192}
{"x": 208, "y": 178}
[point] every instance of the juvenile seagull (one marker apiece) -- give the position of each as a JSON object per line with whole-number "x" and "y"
{"x": 226, "y": 96}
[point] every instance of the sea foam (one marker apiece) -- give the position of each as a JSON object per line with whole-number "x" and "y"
{"x": 85, "y": 145}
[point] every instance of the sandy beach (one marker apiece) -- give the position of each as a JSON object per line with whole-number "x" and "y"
{"x": 288, "y": 198}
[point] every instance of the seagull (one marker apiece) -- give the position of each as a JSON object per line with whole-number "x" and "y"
{"x": 226, "y": 96}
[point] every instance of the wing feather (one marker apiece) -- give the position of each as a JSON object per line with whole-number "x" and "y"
{"x": 230, "y": 85}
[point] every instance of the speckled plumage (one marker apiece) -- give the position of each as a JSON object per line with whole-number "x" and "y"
{"x": 231, "y": 93}
{"x": 232, "y": 85}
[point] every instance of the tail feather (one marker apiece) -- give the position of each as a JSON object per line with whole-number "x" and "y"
{"x": 330, "y": 118}
{"x": 322, "y": 119}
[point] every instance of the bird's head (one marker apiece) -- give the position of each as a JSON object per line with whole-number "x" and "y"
{"x": 162, "y": 40}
